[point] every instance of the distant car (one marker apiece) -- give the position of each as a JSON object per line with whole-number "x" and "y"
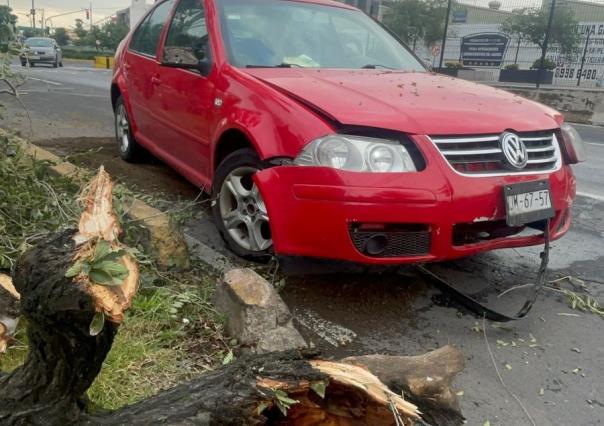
{"x": 319, "y": 134}
{"x": 42, "y": 50}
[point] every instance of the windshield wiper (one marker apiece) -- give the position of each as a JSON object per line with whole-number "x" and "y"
{"x": 281, "y": 65}
{"x": 374, "y": 66}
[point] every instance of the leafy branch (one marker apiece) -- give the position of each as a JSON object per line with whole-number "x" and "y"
{"x": 103, "y": 267}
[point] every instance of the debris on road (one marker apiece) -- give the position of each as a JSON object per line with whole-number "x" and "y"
{"x": 256, "y": 315}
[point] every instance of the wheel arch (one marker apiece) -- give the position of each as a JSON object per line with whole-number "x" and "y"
{"x": 115, "y": 94}
{"x": 229, "y": 141}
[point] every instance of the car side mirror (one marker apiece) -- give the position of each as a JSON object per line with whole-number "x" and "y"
{"x": 177, "y": 57}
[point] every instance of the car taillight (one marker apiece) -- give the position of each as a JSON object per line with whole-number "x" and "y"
{"x": 572, "y": 144}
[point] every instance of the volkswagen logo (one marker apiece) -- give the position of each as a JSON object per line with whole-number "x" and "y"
{"x": 513, "y": 150}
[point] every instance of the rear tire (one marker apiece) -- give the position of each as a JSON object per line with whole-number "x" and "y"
{"x": 127, "y": 146}
{"x": 239, "y": 210}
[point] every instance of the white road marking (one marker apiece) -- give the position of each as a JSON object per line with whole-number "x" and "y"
{"x": 334, "y": 334}
{"x": 53, "y": 83}
{"x": 590, "y": 195}
{"x": 601, "y": 145}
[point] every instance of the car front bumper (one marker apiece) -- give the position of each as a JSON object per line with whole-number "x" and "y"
{"x": 318, "y": 212}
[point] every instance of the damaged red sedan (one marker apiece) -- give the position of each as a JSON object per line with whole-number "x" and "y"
{"x": 321, "y": 135}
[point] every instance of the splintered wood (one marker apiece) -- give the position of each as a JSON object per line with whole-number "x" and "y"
{"x": 99, "y": 222}
{"x": 353, "y": 395}
{"x": 9, "y": 315}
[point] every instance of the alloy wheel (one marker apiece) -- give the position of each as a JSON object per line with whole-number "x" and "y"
{"x": 123, "y": 128}
{"x": 243, "y": 211}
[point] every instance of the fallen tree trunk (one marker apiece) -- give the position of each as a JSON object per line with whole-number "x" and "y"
{"x": 67, "y": 350}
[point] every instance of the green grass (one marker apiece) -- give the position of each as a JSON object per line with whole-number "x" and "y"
{"x": 170, "y": 334}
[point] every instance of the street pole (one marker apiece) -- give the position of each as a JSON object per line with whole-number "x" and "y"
{"x": 545, "y": 42}
{"x": 442, "y": 47}
{"x": 33, "y": 15}
{"x": 583, "y": 58}
{"x": 91, "y": 14}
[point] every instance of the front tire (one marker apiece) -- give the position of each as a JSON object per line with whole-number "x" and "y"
{"x": 128, "y": 148}
{"x": 55, "y": 64}
{"x": 239, "y": 210}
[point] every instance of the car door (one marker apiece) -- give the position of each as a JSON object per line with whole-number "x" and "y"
{"x": 141, "y": 68}
{"x": 186, "y": 95}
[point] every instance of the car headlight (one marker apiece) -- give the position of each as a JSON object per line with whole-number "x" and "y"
{"x": 573, "y": 145}
{"x": 357, "y": 154}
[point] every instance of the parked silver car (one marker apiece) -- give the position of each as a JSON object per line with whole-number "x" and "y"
{"x": 42, "y": 50}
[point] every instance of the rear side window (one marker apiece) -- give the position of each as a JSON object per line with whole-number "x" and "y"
{"x": 146, "y": 37}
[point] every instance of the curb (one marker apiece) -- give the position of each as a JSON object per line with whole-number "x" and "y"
{"x": 165, "y": 239}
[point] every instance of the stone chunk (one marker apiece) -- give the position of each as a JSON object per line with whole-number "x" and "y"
{"x": 256, "y": 314}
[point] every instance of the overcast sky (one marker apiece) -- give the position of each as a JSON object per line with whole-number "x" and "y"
{"x": 100, "y": 9}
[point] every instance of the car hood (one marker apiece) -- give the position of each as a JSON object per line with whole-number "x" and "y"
{"x": 412, "y": 102}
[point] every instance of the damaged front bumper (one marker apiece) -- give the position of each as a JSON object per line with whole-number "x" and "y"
{"x": 372, "y": 218}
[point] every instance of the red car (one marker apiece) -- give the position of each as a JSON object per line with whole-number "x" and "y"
{"x": 319, "y": 134}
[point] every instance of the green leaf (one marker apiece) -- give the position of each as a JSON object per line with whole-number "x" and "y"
{"x": 319, "y": 388}
{"x": 112, "y": 268}
{"x": 74, "y": 270}
{"x": 283, "y": 397}
{"x": 101, "y": 278}
{"x": 102, "y": 249}
{"x": 97, "y": 323}
{"x": 228, "y": 358}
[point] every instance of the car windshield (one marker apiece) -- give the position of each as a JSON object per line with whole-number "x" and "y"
{"x": 39, "y": 42}
{"x": 277, "y": 33}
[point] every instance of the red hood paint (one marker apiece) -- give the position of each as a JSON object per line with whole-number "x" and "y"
{"x": 412, "y": 102}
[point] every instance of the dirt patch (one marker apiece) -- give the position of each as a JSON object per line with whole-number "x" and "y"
{"x": 150, "y": 176}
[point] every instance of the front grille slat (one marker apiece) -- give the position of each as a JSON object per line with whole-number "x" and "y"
{"x": 481, "y": 154}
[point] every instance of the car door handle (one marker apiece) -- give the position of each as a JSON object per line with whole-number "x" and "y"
{"x": 156, "y": 81}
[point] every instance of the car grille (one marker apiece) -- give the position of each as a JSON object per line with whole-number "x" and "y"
{"x": 482, "y": 155}
{"x": 398, "y": 243}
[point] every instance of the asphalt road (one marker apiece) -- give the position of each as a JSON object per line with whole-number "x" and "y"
{"x": 551, "y": 361}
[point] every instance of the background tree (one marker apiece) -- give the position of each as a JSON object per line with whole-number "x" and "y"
{"x": 61, "y": 36}
{"x": 7, "y": 24}
{"x": 531, "y": 24}
{"x": 111, "y": 34}
{"x": 80, "y": 32}
{"x": 417, "y": 20}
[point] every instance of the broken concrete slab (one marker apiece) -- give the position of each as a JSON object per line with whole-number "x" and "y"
{"x": 256, "y": 315}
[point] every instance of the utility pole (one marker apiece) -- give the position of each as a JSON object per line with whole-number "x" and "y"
{"x": 33, "y": 15}
{"x": 442, "y": 47}
{"x": 545, "y": 42}
{"x": 91, "y": 14}
{"x": 583, "y": 58}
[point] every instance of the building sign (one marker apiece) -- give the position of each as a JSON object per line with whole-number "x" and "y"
{"x": 483, "y": 50}
{"x": 460, "y": 16}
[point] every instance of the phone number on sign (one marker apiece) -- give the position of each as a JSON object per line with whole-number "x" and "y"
{"x": 586, "y": 74}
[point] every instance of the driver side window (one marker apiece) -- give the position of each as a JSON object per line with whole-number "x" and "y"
{"x": 187, "y": 41}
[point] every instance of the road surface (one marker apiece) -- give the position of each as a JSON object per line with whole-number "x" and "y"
{"x": 551, "y": 361}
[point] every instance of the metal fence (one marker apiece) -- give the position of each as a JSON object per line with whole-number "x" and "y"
{"x": 523, "y": 42}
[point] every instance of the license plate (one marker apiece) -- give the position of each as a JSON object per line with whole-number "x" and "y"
{"x": 528, "y": 202}
{"x": 34, "y": 57}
